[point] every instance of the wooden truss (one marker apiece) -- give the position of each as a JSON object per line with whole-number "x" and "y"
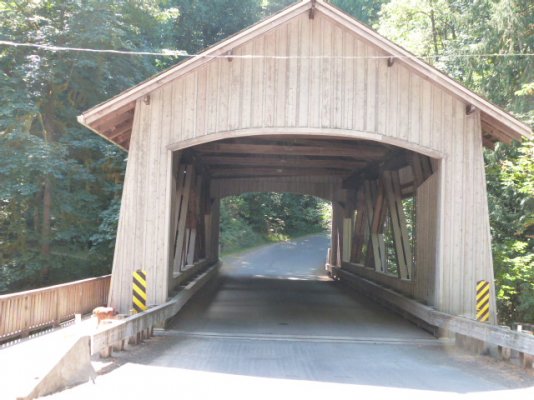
{"x": 378, "y": 204}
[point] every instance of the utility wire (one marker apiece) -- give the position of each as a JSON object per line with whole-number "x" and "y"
{"x": 183, "y": 53}
{"x": 78, "y": 49}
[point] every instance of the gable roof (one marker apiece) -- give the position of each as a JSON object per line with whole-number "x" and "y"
{"x": 113, "y": 119}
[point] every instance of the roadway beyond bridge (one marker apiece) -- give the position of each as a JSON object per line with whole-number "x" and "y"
{"x": 273, "y": 325}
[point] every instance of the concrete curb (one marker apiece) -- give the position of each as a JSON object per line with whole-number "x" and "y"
{"x": 72, "y": 367}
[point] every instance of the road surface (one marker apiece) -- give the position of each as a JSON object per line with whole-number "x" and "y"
{"x": 274, "y": 326}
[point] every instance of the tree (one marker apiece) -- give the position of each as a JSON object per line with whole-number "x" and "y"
{"x": 253, "y": 218}
{"x": 57, "y": 178}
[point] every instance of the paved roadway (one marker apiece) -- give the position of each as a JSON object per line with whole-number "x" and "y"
{"x": 274, "y": 326}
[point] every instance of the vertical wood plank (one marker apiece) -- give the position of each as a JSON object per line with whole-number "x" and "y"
{"x": 404, "y": 103}
{"x": 223, "y": 94}
{"x": 247, "y": 87}
{"x": 258, "y": 83}
{"x": 415, "y": 108}
{"x": 201, "y": 98}
{"x": 212, "y": 96}
{"x": 395, "y": 224}
{"x": 292, "y": 73}
{"x": 269, "y": 80}
{"x": 315, "y": 74}
{"x": 181, "y": 231}
{"x": 348, "y": 80}
{"x": 337, "y": 78}
{"x": 234, "y": 90}
{"x": 426, "y": 114}
{"x": 304, "y": 65}
{"x": 393, "y": 101}
{"x": 370, "y": 200}
{"x": 326, "y": 99}
{"x": 437, "y": 118}
{"x": 371, "y": 83}
{"x": 382, "y": 94}
{"x": 190, "y": 105}
{"x": 401, "y": 216}
{"x": 281, "y": 71}
{"x": 360, "y": 78}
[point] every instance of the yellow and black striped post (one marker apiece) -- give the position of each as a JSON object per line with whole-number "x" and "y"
{"x": 139, "y": 291}
{"x": 483, "y": 298}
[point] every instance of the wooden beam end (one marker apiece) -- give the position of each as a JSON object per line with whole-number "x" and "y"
{"x": 470, "y": 109}
{"x": 311, "y": 13}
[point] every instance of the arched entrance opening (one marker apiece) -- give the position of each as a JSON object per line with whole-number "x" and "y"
{"x": 381, "y": 195}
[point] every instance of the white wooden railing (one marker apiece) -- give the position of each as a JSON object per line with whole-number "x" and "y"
{"x": 22, "y": 313}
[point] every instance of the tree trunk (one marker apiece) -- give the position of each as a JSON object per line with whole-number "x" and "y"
{"x": 45, "y": 230}
{"x": 434, "y": 32}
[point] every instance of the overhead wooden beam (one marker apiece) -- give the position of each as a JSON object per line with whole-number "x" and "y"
{"x": 393, "y": 162}
{"x": 490, "y": 128}
{"x": 294, "y": 162}
{"x": 322, "y": 141}
{"x": 123, "y": 138}
{"x": 225, "y": 172}
{"x": 125, "y": 119}
{"x": 117, "y": 115}
{"x": 118, "y": 130}
{"x": 362, "y": 152}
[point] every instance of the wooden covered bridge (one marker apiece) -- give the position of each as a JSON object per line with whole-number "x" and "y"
{"x": 309, "y": 101}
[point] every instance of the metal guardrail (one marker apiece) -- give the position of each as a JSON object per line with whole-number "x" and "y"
{"x": 485, "y": 333}
{"x": 22, "y": 313}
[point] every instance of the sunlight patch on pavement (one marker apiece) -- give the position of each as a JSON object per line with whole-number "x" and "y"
{"x": 136, "y": 381}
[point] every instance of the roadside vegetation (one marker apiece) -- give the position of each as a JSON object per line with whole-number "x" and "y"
{"x": 257, "y": 218}
{"x": 60, "y": 185}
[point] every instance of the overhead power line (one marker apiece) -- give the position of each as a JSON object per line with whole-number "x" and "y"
{"x": 183, "y": 53}
{"x": 47, "y": 47}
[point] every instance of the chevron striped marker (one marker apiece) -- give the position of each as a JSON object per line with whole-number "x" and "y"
{"x": 139, "y": 291}
{"x": 483, "y": 298}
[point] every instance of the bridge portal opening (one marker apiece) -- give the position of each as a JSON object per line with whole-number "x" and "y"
{"x": 383, "y": 200}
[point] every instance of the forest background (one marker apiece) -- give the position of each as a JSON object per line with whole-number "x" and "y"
{"x": 60, "y": 185}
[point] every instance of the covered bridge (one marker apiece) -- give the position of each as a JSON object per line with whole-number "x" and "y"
{"x": 309, "y": 101}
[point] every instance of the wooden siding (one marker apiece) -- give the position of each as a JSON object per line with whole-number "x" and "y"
{"x": 425, "y": 249}
{"x": 358, "y": 97}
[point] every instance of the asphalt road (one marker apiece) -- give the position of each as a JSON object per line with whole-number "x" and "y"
{"x": 274, "y": 326}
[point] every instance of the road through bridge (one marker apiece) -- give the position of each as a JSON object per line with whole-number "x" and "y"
{"x": 274, "y": 325}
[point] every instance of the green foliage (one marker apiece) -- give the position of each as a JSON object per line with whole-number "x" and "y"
{"x": 59, "y": 181}
{"x": 254, "y": 218}
{"x": 364, "y": 10}
{"x": 510, "y": 175}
